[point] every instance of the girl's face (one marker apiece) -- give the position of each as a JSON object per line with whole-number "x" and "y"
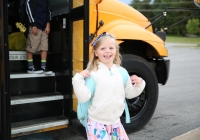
{"x": 106, "y": 52}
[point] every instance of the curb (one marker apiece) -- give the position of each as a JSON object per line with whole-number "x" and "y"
{"x": 181, "y": 44}
{"x": 191, "y": 135}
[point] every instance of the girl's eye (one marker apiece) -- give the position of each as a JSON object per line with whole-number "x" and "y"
{"x": 102, "y": 48}
{"x": 111, "y": 48}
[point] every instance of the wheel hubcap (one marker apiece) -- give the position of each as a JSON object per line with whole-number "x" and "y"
{"x": 137, "y": 104}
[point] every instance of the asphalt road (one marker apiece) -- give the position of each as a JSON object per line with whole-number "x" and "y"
{"x": 178, "y": 108}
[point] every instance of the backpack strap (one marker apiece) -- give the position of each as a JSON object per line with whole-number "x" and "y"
{"x": 125, "y": 77}
{"x": 91, "y": 85}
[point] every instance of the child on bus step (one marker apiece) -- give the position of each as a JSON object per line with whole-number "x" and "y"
{"x": 108, "y": 101}
{"x": 39, "y": 18}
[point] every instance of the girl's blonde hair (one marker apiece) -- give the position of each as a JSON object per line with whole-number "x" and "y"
{"x": 93, "y": 63}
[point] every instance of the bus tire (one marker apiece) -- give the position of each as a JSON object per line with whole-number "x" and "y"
{"x": 141, "y": 108}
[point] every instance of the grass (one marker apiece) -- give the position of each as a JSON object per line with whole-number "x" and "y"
{"x": 181, "y": 39}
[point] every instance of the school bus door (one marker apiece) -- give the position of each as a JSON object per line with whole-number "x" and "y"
{"x": 79, "y": 19}
{"x": 79, "y": 22}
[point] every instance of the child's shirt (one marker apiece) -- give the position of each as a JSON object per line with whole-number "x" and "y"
{"x": 38, "y": 15}
{"x": 109, "y": 94}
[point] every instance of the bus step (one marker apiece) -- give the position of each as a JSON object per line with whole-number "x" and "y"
{"x": 17, "y": 55}
{"x": 38, "y": 125}
{"x": 33, "y": 98}
{"x": 28, "y": 75}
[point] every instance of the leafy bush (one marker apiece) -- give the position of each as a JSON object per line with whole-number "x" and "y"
{"x": 192, "y": 26}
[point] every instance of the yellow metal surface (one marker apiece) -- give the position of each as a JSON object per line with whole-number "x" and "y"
{"x": 77, "y": 3}
{"x": 122, "y": 29}
{"x": 77, "y": 51}
{"x": 126, "y": 12}
{"x": 126, "y": 24}
{"x": 77, "y": 46}
{"x": 53, "y": 128}
{"x": 94, "y": 2}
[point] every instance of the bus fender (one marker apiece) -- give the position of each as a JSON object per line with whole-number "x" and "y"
{"x": 126, "y": 30}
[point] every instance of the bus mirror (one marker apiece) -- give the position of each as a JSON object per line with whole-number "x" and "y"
{"x": 197, "y": 3}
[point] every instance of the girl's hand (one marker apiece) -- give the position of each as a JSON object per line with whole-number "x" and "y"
{"x": 136, "y": 80}
{"x": 85, "y": 73}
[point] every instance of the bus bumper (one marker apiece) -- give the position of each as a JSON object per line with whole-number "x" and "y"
{"x": 162, "y": 70}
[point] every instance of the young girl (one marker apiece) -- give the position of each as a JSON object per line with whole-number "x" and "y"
{"x": 108, "y": 101}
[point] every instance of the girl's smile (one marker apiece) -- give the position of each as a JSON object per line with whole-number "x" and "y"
{"x": 106, "y": 52}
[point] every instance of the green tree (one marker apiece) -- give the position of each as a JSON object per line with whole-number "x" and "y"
{"x": 192, "y": 26}
{"x": 173, "y": 16}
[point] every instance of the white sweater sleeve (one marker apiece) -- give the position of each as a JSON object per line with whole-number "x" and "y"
{"x": 81, "y": 90}
{"x": 132, "y": 91}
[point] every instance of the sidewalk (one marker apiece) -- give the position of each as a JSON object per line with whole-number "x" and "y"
{"x": 191, "y": 135}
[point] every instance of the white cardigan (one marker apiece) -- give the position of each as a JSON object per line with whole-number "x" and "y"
{"x": 108, "y": 101}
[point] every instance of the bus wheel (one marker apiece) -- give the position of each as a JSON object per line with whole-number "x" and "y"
{"x": 141, "y": 108}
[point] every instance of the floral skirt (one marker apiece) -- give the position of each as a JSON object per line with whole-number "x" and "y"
{"x": 98, "y": 131}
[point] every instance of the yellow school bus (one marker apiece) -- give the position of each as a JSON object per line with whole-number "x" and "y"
{"x": 33, "y": 103}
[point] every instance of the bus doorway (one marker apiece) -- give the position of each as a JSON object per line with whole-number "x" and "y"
{"x": 34, "y": 103}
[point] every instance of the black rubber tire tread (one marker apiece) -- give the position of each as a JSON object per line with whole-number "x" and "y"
{"x": 138, "y": 65}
